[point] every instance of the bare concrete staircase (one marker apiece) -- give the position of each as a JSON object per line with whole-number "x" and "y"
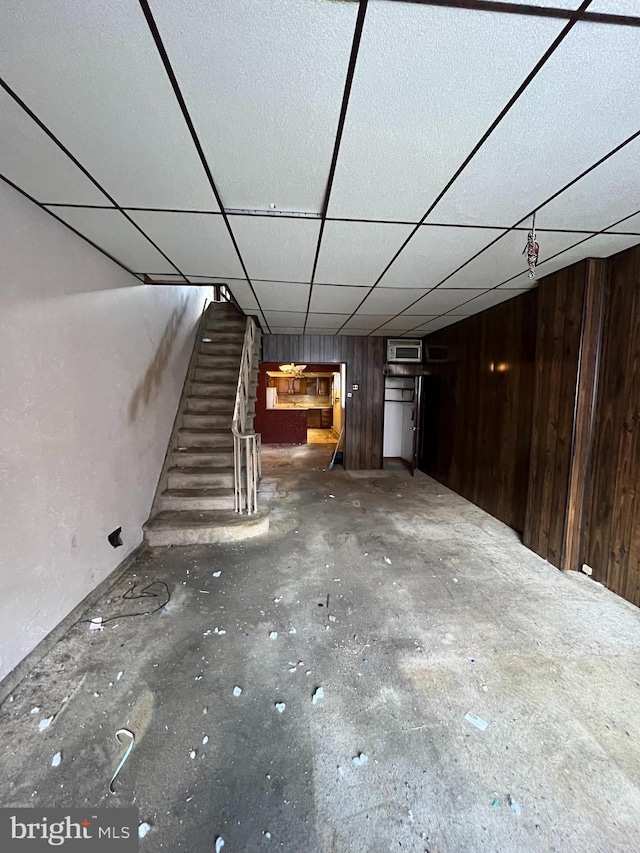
{"x": 194, "y": 502}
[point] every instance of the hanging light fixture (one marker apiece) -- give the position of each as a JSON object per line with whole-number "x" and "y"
{"x": 532, "y": 249}
{"x": 293, "y": 369}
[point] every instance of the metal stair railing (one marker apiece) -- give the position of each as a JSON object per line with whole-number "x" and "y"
{"x": 246, "y": 442}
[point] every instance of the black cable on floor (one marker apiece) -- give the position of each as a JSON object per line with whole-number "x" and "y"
{"x": 128, "y": 595}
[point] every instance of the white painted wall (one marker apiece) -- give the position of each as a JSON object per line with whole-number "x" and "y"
{"x": 92, "y": 365}
{"x": 398, "y": 419}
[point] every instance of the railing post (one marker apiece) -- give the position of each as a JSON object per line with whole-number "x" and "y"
{"x": 246, "y": 445}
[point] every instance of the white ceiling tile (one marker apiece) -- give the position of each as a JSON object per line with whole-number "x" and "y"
{"x": 286, "y": 330}
{"x": 198, "y": 243}
{"x": 276, "y": 248}
{"x": 291, "y": 319}
{"x": 505, "y": 259}
{"x": 486, "y": 300}
{"x": 263, "y": 83}
{"x": 35, "y": 164}
{"x": 327, "y": 321}
{"x": 600, "y": 246}
{"x": 427, "y": 84}
{"x": 615, "y": 7}
{"x": 405, "y": 322}
{"x": 335, "y": 297}
{"x": 434, "y": 252}
{"x": 381, "y": 333}
{"x": 92, "y": 74}
{"x": 368, "y": 321}
{"x": 353, "y": 332}
{"x": 313, "y": 331}
{"x": 357, "y": 252}
{"x": 440, "y": 300}
{"x": 415, "y": 319}
{"x": 522, "y": 280}
{"x": 112, "y": 232}
{"x": 630, "y": 224}
{"x": 608, "y": 193}
{"x": 243, "y": 295}
{"x": 581, "y": 104}
{"x": 550, "y": 4}
{"x": 390, "y": 301}
{"x": 440, "y": 323}
{"x": 281, "y": 296}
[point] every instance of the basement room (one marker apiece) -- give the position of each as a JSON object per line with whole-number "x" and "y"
{"x": 320, "y": 426}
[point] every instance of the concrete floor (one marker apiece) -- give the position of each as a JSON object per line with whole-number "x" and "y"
{"x": 434, "y": 609}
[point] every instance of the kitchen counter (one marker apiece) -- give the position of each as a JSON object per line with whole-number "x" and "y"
{"x": 301, "y": 407}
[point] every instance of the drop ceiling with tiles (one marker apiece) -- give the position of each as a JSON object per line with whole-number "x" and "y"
{"x": 345, "y": 167}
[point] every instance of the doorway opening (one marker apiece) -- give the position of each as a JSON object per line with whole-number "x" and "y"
{"x": 304, "y": 404}
{"x": 402, "y": 400}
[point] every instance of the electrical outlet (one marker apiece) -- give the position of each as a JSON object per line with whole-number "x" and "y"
{"x": 587, "y": 569}
{"x": 355, "y": 387}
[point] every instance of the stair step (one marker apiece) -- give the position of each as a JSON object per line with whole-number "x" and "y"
{"x": 223, "y": 324}
{"x": 204, "y": 421}
{"x": 203, "y": 528}
{"x": 219, "y": 362}
{"x": 222, "y": 307}
{"x": 220, "y": 348}
{"x": 186, "y": 499}
{"x": 205, "y": 438}
{"x": 220, "y": 375}
{"x": 203, "y": 457}
{"x": 219, "y": 337}
{"x": 210, "y": 405}
{"x": 200, "y": 478}
{"x": 217, "y": 389}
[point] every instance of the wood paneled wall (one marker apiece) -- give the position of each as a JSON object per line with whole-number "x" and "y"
{"x": 477, "y": 408}
{"x": 364, "y": 358}
{"x": 611, "y": 544}
{"x": 560, "y": 310}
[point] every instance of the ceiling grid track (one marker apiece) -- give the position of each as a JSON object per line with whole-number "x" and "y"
{"x": 540, "y": 230}
{"x": 87, "y": 174}
{"x": 575, "y": 17}
{"x": 66, "y": 224}
{"x": 338, "y": 123}
{"x": 353, "y": 58}
{"x": 530, "y": 10}
{"x": 452, "y": 311}
{"x": 470, "y": 226}
{"x": 164, "y": 56}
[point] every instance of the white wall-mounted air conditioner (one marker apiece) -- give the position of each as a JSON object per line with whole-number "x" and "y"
{"x": 404, "y": 350}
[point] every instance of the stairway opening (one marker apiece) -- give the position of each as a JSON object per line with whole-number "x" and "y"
{"x": 195, "y": 498}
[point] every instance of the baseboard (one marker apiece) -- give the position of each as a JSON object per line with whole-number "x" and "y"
{"x": 13, "y": 679}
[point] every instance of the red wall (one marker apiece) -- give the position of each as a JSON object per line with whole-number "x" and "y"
{"x": 282, "y": 426}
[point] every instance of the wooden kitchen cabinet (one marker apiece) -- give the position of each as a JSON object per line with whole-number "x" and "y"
{"x": 314, "y": 419}
{"x": 326, "y": 418}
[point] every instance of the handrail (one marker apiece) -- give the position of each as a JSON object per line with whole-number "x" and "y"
{"x": 246, "y": 442}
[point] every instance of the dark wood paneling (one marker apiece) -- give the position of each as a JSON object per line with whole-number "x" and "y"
{"x": 364, "y": 358}
{"x": 477, "y": 406}
{"x": 560, "y": 318}
{"x": 612, "y": 537}
{"x": 584, "y": 413}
